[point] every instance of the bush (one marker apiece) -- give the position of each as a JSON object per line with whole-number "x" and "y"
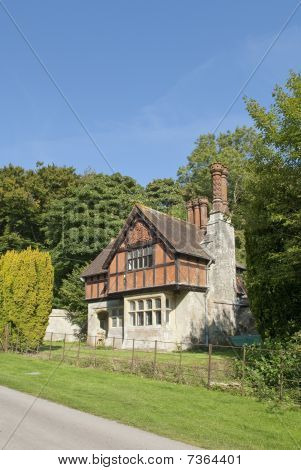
{"x": 274, "y": 365}
{"x": 26, "y": 285}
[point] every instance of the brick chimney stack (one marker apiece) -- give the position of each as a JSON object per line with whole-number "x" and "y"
{"x": 225, "y": 190}
{"x": 190, "y": 214}
{"x": 217, "y": 170}
{"x": 197, "y": 212}
{"x": 204, "y": 204}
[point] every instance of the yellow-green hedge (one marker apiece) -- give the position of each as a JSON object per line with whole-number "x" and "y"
{"x": 26, "y": 286}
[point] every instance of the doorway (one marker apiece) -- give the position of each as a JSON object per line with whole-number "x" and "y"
{"x": 103, "y": 318}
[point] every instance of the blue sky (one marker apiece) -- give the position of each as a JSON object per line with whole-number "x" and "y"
{"x": 146, "y": 78}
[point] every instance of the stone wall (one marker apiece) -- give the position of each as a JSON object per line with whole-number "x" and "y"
{"x": 59, "y": 325}
{"x": 220, "y": 243}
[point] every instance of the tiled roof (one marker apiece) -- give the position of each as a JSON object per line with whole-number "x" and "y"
{"x": 184, "y": 237}
{"x": 95, "y": 267}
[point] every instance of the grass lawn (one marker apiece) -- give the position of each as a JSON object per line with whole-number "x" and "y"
{"x": 191, "y": 366}
{"x": 205, "y": 418}
{"x": 191, "y": 357}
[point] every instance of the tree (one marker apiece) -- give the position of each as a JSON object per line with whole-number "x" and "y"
{"x": 72, "y": 297}
{"x": 233, "y": 149}
{"x": 166, "y": 195}
{"x": 80, "y": 225}
{"x": 19, "y": 211}
{"x": 273, "y": 213}
{"x": 25, "y": 197}
{"x": 26, "y": 284}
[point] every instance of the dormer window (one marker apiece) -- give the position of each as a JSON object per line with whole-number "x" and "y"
{"x": 140, "y": 258}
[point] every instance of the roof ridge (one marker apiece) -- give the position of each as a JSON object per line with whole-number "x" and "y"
{"x": 167, "y": 215}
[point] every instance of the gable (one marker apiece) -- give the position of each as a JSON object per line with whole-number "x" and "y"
{"x": 137, "y": 230}
{"x": 138, "y": 233}
{"x": 145, "y": 226}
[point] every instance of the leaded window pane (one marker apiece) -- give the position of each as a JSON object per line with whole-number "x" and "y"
{"x": 140, "y": 318}
{"x": 149, "y": 318}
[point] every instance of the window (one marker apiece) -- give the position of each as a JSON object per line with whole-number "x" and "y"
{"x": 147, "y": 312}
{"x": 168, "y": 310}
{"x": 117, "y": 318}
{"x": 140, "y": 318}
{"x": 149, "y": 318}
{"x": 140, "y": 258}
{"x": 120, "y": 319}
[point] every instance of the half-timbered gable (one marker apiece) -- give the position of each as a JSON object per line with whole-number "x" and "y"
{"x": 142, "y": 257}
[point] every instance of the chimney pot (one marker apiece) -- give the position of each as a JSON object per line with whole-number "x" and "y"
{"x": 216, "y": 170}
{"x": 190, "y": 214}
{"x": 204, "y": 203}
{"x": 225, "y": 189}
{"x": 197, "y": 212}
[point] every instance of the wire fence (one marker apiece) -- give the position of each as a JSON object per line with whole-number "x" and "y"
{"x": 213, "y": 366}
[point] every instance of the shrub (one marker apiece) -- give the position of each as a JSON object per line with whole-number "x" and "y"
{"x": 26, "y": 285}
{"x": 274, "y": 365}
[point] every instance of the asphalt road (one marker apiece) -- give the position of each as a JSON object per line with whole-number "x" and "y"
{"x": 48, "y": 425}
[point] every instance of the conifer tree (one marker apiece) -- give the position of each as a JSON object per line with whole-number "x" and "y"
{"x": 26, "y": 285}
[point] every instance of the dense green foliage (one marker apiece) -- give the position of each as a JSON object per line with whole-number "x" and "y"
{"x": 166, "y": 195}
{"x": 70, "y": 297}
{"x": 25, "y": 198}
{"x": 233, "y": 149}
{"x": 26, "y": 284}
{"x": 273, "y": 369}
{"x": 273, "y": 214}
{"x": 80, "y": 225}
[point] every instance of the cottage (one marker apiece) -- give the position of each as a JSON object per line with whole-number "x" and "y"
{"x": 166, "y": 279}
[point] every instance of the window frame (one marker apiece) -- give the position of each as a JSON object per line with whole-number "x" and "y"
{"x": 117, "y": 315}
{"x": 140, "y": 258}
{"x": 149, "y": 307}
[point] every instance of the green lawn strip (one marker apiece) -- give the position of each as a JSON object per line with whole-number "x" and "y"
{"x": 188, "y": 357}
{"x": 209, "y": 419}
{"x": 193, "y": 363}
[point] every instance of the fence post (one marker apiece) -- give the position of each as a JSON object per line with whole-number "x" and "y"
{"x": 243, "y": 366}
{"x": 281, "y": 377}
{"x": 95, "y": 351}
{"x": 18, "y": 348}
{"x": 180, "y": 362}
{"x": 64, "y": 346}
{"x": 50, "y": 349}
{"x": 155, "y": 356}
{"x": 133, "y": 352}
{"x": 6, "y": 338}
{"x": 113, "y": 346}
{"x": 78, "y": 353}
{"x": 209, "y": 364}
